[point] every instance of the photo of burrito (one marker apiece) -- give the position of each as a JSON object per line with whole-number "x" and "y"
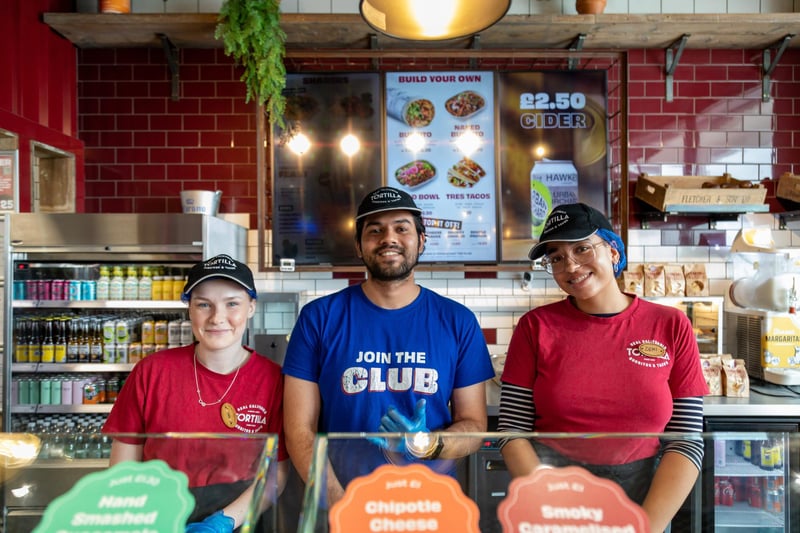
{"x": 415, "y": 173}
{"x": 465, "y": 174}
{"x": 464, "y": 104}
{"x": 413, "y": 110}
{"x": 419, "y": 113}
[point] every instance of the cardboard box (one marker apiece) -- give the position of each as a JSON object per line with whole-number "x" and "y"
{"x": 672, "y": 193}
{"x": 788, "y": 187}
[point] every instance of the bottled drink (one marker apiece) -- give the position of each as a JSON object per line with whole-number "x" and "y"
{"x": 21, "y": 339}
{"x": 178, "y": 283}
{"x": 48, "y": 342}
{"x": 777, "y": 454}
{"x": 130, "y": 287}
{"x": 84, "y": 345}
{"x": 103, "y": 284}
{"x": 60, "y": 348}
{"x": 158, "y": 287}
{"x": 145, "y": 284}
{"x": 755, "y": 448}
{"x": 35, "y": 342}
{"x": 766, "y": 462}
{"x": 73, "y": 340}
{"x": 115, "y": 285}
{"x": 96, "y": 342}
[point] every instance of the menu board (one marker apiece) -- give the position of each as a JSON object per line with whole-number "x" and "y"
{"x": 554, "y": 138}
{"x": 440, "y": 149}
{"x": 316, "y": 192}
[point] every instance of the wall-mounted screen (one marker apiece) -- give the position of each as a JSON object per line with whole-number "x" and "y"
{"x": 553, "y": 142}
{"x": 326, "y": 160}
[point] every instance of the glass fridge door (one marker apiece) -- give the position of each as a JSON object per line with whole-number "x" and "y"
{"x": 747, "y": 479}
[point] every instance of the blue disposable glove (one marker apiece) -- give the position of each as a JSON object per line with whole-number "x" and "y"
{"x": 214, "y": 523}
{"x": 395, "y": 422}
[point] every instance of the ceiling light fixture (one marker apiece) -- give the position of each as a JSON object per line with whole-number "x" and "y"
{"x": 432, "y": 20}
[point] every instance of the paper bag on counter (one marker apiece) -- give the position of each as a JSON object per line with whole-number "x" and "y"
{"x": 712, "y": 371}
{"x": 735, "y": 381}
{"x": 675, "y": 284}
{"x": 654, "y": 280}
{"x": 696, "y": 279}
{"x": 632, "y": 280}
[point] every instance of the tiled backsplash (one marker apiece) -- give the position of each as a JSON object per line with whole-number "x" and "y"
{"x": 499, "y": 302}
{"x": 518, "y": 7}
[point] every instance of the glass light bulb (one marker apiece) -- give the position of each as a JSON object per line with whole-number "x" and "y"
{"x": 350, "y": 145}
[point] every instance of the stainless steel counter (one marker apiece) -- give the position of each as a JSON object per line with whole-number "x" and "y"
{"x": 764, "y": 400}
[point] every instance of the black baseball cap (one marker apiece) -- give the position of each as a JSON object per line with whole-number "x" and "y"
{"x": 386, "y": 199}
{"x": 569, "y": 223}
{"x": 220, "y": 266}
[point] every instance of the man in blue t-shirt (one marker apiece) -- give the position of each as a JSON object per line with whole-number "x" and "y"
{"x": 385, "y": 356}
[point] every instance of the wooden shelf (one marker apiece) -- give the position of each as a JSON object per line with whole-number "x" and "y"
{"x": 518, "y": 32}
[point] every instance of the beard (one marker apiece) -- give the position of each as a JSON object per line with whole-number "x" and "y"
{"x": 396, "y": 272}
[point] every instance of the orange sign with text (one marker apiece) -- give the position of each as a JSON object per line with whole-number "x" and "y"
{"x": 569, "y": 499}
{"x": 404, "y": 498}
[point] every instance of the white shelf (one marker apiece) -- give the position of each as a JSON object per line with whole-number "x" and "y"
{"x": 83, "y": 408}
{"x": 98, "y": 304}
{"x": 52, "y": 368}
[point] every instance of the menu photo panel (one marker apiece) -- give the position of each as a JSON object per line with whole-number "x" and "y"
{"x": 325, "y": 161}
{"x": 553, "y": 139}
{"x": 441, "y": 150}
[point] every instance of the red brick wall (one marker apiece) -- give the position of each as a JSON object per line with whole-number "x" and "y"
{"x": 143, "y": 148}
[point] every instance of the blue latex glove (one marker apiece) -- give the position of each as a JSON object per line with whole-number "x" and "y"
{"x": 214, "y": 523}
{"x": 395, "y": 422}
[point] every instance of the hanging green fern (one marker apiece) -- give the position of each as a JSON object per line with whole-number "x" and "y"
{"x": 251, "y": 33}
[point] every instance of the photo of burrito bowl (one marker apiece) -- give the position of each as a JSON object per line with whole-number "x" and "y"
{"x": 415, "y": 173}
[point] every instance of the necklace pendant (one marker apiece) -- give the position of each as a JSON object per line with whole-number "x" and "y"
{"x": 202, "y": 403}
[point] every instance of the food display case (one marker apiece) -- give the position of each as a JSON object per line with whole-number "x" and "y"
{"x": 705, "y": 313}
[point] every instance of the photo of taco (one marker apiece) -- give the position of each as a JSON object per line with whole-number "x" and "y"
{"x": 415, "y": 173}
{"x": 465, "y": 174}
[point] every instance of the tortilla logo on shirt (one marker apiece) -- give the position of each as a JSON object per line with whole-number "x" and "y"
{"x": 251, "y": 418}
{"x": 649, "y": 349}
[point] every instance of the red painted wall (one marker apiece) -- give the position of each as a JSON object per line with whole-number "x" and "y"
{"x": 38, "y": 92}
{"x": 143, "y": 148}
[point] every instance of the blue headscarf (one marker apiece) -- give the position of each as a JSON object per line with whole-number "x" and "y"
{"x": 616, "y": 242}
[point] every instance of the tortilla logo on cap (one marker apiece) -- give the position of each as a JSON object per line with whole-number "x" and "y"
{"x": 385, "y": 197}
{"x": 221, "y": 263}
{"x": 650, "y": 349}
{"x": 556, "y": 218}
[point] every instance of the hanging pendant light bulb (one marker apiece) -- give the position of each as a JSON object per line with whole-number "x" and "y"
{"x": 432, "y": 20}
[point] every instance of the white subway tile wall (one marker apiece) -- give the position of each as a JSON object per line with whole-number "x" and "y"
{"x": 499, "y": 302}
{"x": 518, "y": 7}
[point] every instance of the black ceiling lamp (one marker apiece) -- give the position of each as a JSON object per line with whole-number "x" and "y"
{"x": 432, "y": 20}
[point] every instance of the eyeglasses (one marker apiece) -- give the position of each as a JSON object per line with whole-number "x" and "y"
{"x": 580, "y": 254}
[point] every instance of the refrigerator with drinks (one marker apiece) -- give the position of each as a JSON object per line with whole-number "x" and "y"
{"x": 747, "y": 476}
{"x": 87, "y": 296}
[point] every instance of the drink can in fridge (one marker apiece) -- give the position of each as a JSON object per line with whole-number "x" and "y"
{"x": 74, "y": 289}
{"x": 122, "y": 332}
{"x": 88, "y": 289}
{"x": 121, "y": 353}
{"x": 187, "y": 337}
